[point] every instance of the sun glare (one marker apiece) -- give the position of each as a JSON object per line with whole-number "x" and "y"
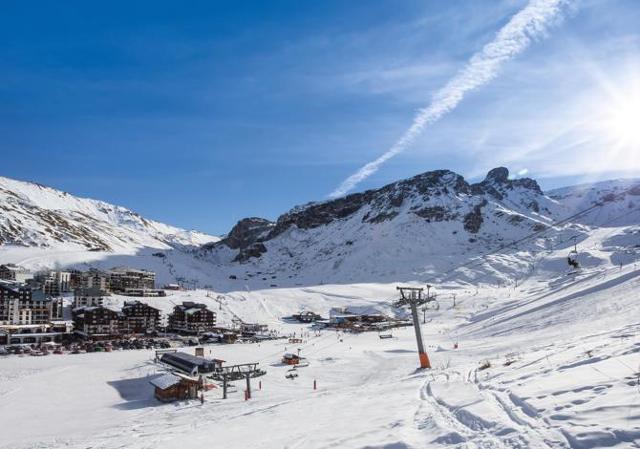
{"x": 623, "y": 120}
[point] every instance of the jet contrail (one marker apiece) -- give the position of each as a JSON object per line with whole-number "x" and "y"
{"x": 528, "y": 24}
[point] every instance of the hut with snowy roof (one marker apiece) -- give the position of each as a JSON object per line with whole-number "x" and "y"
{"x": 174, "y": 387}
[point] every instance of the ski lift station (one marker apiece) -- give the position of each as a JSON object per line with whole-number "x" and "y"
{"x": 190, "y": 364}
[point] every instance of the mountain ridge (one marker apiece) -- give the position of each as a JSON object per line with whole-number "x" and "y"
{"x": 425, "y": 224}
{"x": 384, "y": 202}
{"x": 415, "y": 228}
{"x": 37, "y": 215}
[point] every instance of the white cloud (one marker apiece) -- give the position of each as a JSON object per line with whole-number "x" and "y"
{"x": 528, "y": 24}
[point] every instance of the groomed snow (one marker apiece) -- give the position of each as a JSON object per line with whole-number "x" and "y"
{"x": 564, "y": 358}
{"x": 546, "y": 358}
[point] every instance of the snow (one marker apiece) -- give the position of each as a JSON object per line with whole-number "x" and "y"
{"x": 564, "y": 358}
{"x": 547, "y": 357}
{"x": 165, "y": 381}
{"x": 39, "y": 216}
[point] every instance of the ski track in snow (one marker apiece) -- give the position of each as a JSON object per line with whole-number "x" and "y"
{"x": 573, "y": 388}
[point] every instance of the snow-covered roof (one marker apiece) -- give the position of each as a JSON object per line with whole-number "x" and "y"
{"x": 10, "y": 285}
{"x": 193, "y": 310}
{"x": 16, "y": 268}
{"x": 165, "y": 381}
{"x": 23, "y": 326}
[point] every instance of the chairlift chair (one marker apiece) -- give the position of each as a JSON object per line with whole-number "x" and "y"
{"x": 572, "y": 259}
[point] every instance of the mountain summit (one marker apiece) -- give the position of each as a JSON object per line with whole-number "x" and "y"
{"x": 427, "y": 223}
{"x": 418, "y": 228}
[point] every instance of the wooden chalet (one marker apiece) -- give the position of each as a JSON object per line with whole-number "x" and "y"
{"x": 175, "y": 387}
{"x": 97, "y": 322}
{"x": 291, "y": 359}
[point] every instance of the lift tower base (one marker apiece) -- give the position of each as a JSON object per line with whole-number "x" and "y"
{"x": 412, "y": 296}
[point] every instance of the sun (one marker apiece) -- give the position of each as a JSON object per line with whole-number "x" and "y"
{"x": 622, "y": 120}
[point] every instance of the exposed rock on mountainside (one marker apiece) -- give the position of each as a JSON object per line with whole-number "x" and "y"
{"x": 425, "y": 224}
{"x": 473, "y": 220}
{"x": 248, "y": 231}
{"x": 436, "y": 196}
{"x": 246, "y": 236}
{"x": 384, "y": 203}
{"x": 417, "y": 228}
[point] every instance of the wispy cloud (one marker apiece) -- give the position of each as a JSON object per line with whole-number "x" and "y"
{"x": 528, "y": 24}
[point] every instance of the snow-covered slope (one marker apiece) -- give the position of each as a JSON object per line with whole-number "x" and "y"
{"x": 37, "y": 216}
{"x": 434, "y": 227}
{"x": 526, "y": 351}
{"x": 551, "y": 363}
{"x": 621, "y": 198}
{"x": 422, "y": 228}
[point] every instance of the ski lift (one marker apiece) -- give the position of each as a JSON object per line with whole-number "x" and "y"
{"x": 432, "y": 303}
{"x": 572, "y": 258}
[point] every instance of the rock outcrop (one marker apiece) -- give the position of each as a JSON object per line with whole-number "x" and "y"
{"x": 435, "y": 196}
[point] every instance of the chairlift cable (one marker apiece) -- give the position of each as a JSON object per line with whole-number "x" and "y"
{"x": 475, "y": 260}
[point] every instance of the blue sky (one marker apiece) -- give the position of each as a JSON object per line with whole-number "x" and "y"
{"x": 202, "y": 113}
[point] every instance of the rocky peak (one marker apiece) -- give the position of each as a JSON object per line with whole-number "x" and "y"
{"x": 247, "y": 231}
{"x": 434, "y": 196}
{"x": 383, "y": 202}
{"x": 498, "y": 175}
{"x": 246, "y": 236}
{"x": 497, "y": 183}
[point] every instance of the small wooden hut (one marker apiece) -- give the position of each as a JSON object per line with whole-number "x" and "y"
{"x": 291, "y": 359}
{"x": 174, "y": 387}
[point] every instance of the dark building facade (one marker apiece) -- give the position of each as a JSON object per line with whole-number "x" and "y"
{"x": 123, "y": 279}
{"x": 21, "y": 305}
{"x": 192, "y": 317}
{"x": 98, "y": 321}
{"x": 139, "y": 318}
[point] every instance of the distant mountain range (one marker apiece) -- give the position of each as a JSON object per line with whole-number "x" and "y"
{"x": 34, "y": 215}
{"x": 418, "y": 228}
{"x": 423, "y": 225}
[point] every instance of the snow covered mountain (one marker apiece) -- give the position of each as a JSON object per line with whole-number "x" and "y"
{"x": 525, "y": 351}
{"x": 37, "y": 216}
{"x": 422, "y": 227}
{"x": 433, "y": 227}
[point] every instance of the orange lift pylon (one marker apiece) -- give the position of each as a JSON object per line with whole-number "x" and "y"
{"x": 412, "y": 296}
